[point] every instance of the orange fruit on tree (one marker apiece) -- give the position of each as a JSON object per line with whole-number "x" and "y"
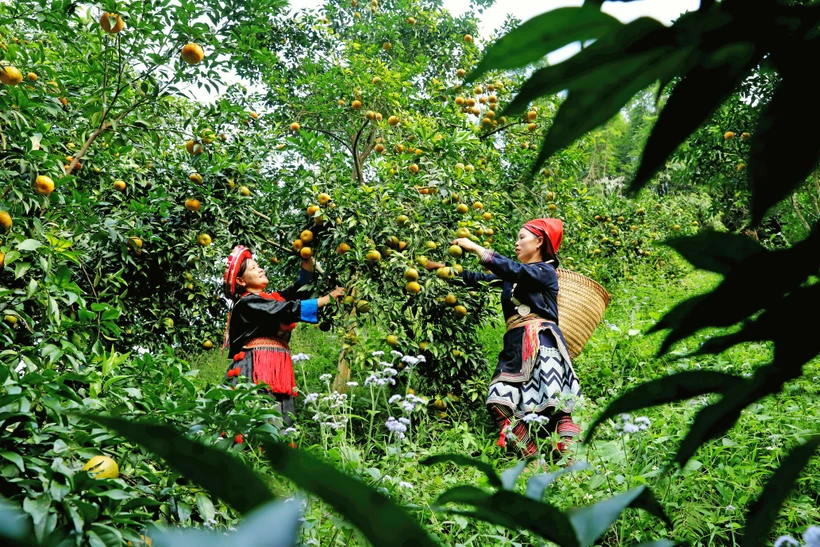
{"x": 204, "y": 240}
{"x": 461, "y": 72}
{"x": 119, "y": 185}
{"x": 387, "y": 46}
{"x": 208, "y": 136}
{"x": 10, "y": 75}
{"x": 192, "y": 53}
{"x": 531, "y": 115}
{"x": 552, "y": 207}
{"x": 135, "y": 243}
{"x": 403, "y": 220}
{"x": 374, "y": 256}
{"x": 411, "y": 21}
{"x": 5, "y": 220}
{"x": 414, "y": 168}
{"x": 460, "y": 311}
{"x": 376, "y": 80}
{"x": 195, "y": 177}
{"x": 254, "y": 115}
{"x": 459, "y": 101}
{"x": 392, "y": 340}
{"x": 297, "y": 244}
{"x": 105, "y": 23}
{"x": 411, "y": 274}
{"x": 43, "y": 185}
{"x": 192, "y": 204}
{"x": 306, "y": 236}
{"x": 532, "y": 126}
{"x": 207, "y": 344}
{"x": 478, "y": 205}
{"x": 342, "y": 248}
{"x": 729, "y": 135}
{"x": 356, "y": 105}
{"x": 306, "y": 252}
{"x": 487, "y": 215}
{"x": 393, "y": 120}
{"x": 462, "y": 209}
{"x": 741, "y": 167}
{"x": 31, "y": 76}
{"x": 324, "y": 199}
{"x": 193, "y": 148}
{"x": 745, "y": 136}
{"x": 102, "y": 467}
{"x": 455, "y": 251}
{"x": 462, "y": 232}
{"x": 445, "y": 273}
{"x": 295, "y": 126}
{"x": 413, "y": 287}
{"x": 244, "y": 190}
{"x": 467, "y": 38}
{"x": 450, "y": 300}
{"x": 370, "y": 115}
{"x": 2, "y": 259}
{"x": 312, "y": 210}
{"x": 470, "y": 102}
{"x": 379, "y": 148}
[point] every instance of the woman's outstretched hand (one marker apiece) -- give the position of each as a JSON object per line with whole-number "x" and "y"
{"x": 337, "y": 293}
{"x": 468, "y": 245}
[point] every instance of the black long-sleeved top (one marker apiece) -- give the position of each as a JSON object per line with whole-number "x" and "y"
{"x": 533, "y": 285}
{"x": 264, "y": 316}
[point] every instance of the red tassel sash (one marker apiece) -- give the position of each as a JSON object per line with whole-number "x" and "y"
{"x": 272, "y": 365}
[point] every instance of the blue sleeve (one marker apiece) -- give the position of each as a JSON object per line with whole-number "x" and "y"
{"x": 310, "y": 311}
{"x": 540, "y": 275}
{"x": 474, "y": 280}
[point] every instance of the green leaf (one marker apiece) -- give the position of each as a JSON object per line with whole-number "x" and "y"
{"x": 14, "y": 458}
{"x": 205, "y": 506}
{"x": 14, "y": 523}
{"x": 255, "y": 531}
{"x": 591, "y": 522}
{"x": 515, "y": 511}
{"x": 29, "y": 245}
{"x": 668, "y": 389}
{"x": 509, "y": 476}
{"x": 487, "y": 469}
{"x": 534, "y": 39}
{"x": 694, "y": 99}
{"x": 538, "y": 483}
{"x": 779, "y": 160}
{"x": 375, "y": 515}
{"x": 717, "y": 252}
{"x": 596, "y": 64}
{"x": 766, "y": 508}
{"x": 216, "y": 471}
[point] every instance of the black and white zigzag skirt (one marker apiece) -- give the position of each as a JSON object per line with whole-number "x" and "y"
{"x": 552, "y": 386}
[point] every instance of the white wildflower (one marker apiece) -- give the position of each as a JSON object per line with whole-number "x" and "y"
{"x": 311, "y": 398}
{"x": 325, "y": 377}
{"x": 405, "y": 484}
{"x": 353, "y": 384}
{"x": 404, "y": 420}
{"x": 378, "y": 353}
{"x": 410, "y": 360}
{"x": 396, "y": 353}
{"x": 300, "y": 357}
{"x": 394, "y": 398}
{"x": 390, "y": 371}
{"x": 786, "y": 540}
{"x": 631, "y": 428}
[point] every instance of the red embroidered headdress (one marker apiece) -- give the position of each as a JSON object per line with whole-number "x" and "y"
{"x": 551, "y": 229}
{"x": 235, "y": 260}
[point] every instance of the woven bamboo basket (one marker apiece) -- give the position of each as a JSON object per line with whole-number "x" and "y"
{"x": 581, "y": 306}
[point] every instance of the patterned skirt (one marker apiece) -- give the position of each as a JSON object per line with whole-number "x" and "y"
{"x": 268, "y": 363}
{"x": 551, "y": 385}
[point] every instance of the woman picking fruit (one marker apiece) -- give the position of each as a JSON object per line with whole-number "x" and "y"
{"x": 534, "y": 379}
{"x": 260, "y": 325}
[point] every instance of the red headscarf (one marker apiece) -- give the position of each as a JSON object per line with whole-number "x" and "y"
{"x": 551, "y": 229}
{"x": 235, "y": 260}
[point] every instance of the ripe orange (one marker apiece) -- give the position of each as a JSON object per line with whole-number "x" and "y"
{"x": 741, "y": 167}
{"x": 392, "y": 340}
{"x": 135, "y": 243}
{"x": 467, "y": 38}
{"x": 450, "y": 300}
{"x": 31, "y": 76}
{"x": 414, "y": 168}
{"x": 531, "y": 115}
{"x": 192, "y": 53}
{"x": 393, "y": 120}
{"x": 105, "y": 23}
{"x": 455, "y": 251}
{"x": 532, "y": 126}
{"x": 403, "y": 220}
{"x": 445, "y": 273}
{"x": 207, "y": 344}
{"x": 461, "y": 72}
{"x": 356, "y": 105}
{"x": 374, "y": 256}
{"x": 363, "y": 306}
{"x": 5, "y": 220}
{"x": 459, "y": 101}
{"x": 487, "y": 216}
{"x": 422, "y": 260}
{"x": 324, "y": 199}
{"x": 728, "y": 136}
{"x": 2, "y": 259}
{"x": 193, "y": 148}
{"x": 411, "y": 274}
{"x": 462, "y": 209}
{"x": 462, "y": 232}
{"x": 413, "y": 287}
{"x": 745, "y": 136}
{"x": 342, "y": 248}
{"x": 387, "y": 46}
{"x": 254, "y": 115}
{"x": 204, "y": 240}
{"x": 10, "y": 75}
{"x": 411, "y": 21}
{"x": 376, "y": 80}
{"x": 306, "y": 252}
{"x": 195, "y": 177}
{"x": 295, "y": 126}
{"x": 478, "y": 205}
{"x": 379, "y": 149}
{"x": 460, "y": 311}
{"x": 102, "y": 467}
{"x": 245, "y": 191}
{"x": 470, "y": 102}
{"x": 676, "y": 227}
{"x": 306, "y": 236}
{"x": 192, "y": 204}
{"x": 370, "y": 115}
{"x": 119, "y": 185}
{"x": 312, "y": 210}
{"x": 43, "y": 185}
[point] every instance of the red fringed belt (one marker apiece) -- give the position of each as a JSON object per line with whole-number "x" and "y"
{"x": 271, "y": 364}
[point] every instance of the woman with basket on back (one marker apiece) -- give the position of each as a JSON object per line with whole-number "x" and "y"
{"x": 534, "y": 379}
